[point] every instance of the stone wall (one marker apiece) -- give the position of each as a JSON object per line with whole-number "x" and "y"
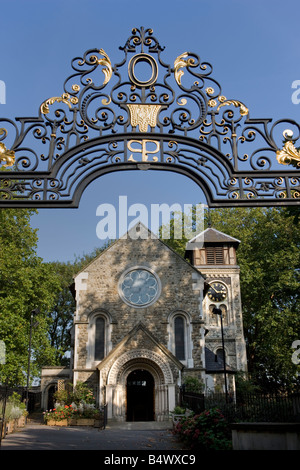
{"x": 266, "y": 436}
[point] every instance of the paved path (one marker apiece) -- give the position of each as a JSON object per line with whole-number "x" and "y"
{"x": 127, "y": 436}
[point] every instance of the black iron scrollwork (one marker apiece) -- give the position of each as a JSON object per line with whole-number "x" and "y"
{"x": 145, "y": 113}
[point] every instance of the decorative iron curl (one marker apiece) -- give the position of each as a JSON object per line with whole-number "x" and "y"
{"x": 212, "y": 139}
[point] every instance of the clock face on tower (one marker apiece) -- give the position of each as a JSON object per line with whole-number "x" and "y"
{"x": 139, "y": 287}
{"x": 217, "y": 292}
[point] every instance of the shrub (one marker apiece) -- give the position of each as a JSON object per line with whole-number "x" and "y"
{"x": 65, "y": 397}
{"x": 205, "y": 431}
{"x": 72, "y": 411}
{"x": 15, "y": 408}
{"x": 77, "y": 403}
{"x": 79, "y": 394}
{"x": 178, "y": 410}
{"x": 192, "y": 384}
{"x": 82, "y": 394}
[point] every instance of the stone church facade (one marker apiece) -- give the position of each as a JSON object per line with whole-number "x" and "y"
{"x": 144, "y": 322}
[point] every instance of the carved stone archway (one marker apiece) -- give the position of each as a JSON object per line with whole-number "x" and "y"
{"x": 157, "y": 366}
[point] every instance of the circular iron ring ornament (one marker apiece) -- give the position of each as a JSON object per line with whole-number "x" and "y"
{"x": 142, "y": 58}
{"x": 139, "y": 287}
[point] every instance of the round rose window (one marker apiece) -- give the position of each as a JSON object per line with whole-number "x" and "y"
{"x": 139, "y": 287}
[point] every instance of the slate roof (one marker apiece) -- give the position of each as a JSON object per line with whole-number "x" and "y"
{"x": 211, "y": 235}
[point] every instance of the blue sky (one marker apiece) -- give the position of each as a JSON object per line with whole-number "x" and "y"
{"x": 254, "y": 48}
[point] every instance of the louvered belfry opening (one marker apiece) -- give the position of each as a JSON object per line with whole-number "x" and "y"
{"x": 214, "y": 255}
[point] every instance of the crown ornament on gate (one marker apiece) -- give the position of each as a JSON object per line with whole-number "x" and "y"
{"x": 145, "y": 113}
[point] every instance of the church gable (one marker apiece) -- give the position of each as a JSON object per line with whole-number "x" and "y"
{"x": 140, "y": 339}
{"x": 111, "y": 282}
{"x": 138, "y": 245}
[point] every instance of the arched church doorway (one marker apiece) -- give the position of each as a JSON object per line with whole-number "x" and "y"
{"x": 51, "y": 390}
{"x": 140, "y": 396}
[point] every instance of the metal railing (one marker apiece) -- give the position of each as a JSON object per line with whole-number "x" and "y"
{"x": 33, "y": 403}
{"x": 248, "y": 407}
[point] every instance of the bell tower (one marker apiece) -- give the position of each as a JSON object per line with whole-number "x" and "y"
{"x": 213, "y": 253}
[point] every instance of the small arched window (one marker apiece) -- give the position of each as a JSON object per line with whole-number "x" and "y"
{"x": 99, "y": 339}
{"x": 179, "y": 335}
{"x": 220, "y": 355}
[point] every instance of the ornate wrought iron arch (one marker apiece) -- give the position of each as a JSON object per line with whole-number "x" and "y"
{"x": 153, "y": 116}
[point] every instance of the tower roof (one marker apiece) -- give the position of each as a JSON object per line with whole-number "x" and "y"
{"x": 211, "y": 235}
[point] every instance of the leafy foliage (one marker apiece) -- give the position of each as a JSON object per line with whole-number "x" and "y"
{"x": 26, "y": 283}
{"x": 192, "y": 384}
{"x": 67, "y": 412}
{"x": 73, "y": 403}
{"x": 206, "y": 431}
{"x": 61, "y": 313}
{"x": 81, "y": 393}
{"x": 14, "y": 408}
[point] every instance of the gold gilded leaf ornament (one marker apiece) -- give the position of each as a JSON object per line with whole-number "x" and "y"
{"x": 238, "y": 104}
{"x": 64, "y": 98}
{"x": 7, "y": 156}
{"x": 107, "y": 70}
{"x": 288, "y": 154}
{"x": 180, "y": 63}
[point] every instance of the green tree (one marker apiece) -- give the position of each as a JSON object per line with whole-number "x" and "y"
{"x": 62, "y": 312}
{"x": 26, "y": 283}
{"x": 269, "y": 258}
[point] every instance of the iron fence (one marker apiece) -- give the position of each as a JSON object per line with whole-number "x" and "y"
{"x": 247, "y": 407}
{"x": 34, "y": 397}
{"x": 194, "y": 401}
